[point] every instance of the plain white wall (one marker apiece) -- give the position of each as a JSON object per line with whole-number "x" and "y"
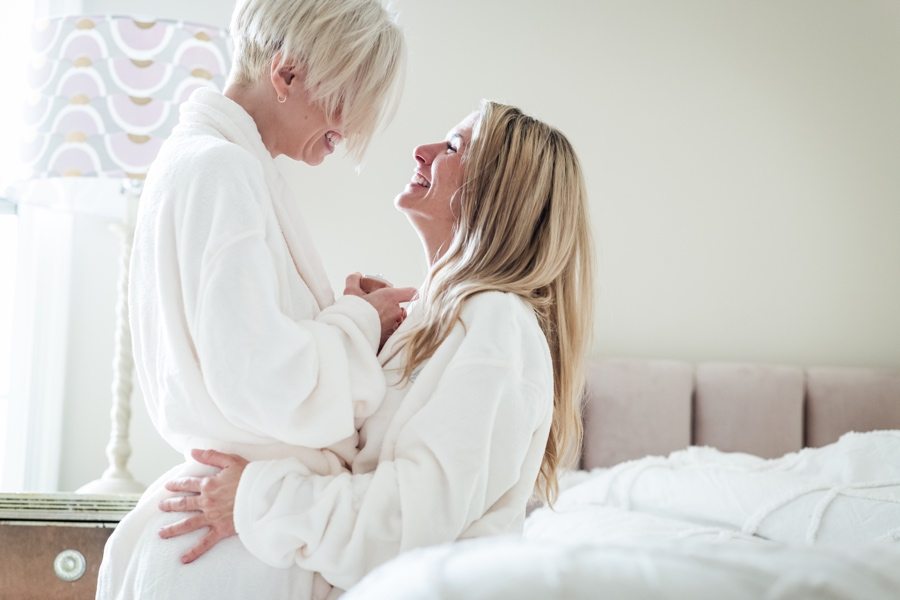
{"x": 741, "y": 159}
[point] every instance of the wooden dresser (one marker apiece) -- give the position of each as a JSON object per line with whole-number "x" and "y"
{"x": 51, "y": 544}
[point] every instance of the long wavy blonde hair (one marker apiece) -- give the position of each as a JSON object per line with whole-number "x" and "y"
{"x": 523, "y": 228}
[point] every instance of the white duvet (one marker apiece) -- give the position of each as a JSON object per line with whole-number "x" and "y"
{"x": 819, "y": 523}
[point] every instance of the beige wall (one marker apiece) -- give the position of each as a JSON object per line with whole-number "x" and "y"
{"x": 741, "y": 157}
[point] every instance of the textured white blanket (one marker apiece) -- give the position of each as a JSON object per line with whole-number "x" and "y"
{"x": 820, "y": 523}
{"x": 846, "y": 492}
{"x": 503, "y": 569}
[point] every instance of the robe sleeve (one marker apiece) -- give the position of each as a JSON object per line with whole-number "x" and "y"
{"x": 301, "y": 382}
{"x": 453, "y": 460}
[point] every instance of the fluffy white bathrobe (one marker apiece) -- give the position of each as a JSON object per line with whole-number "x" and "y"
{"x": 238, "y": 343}
{"x": 452, "y": 454}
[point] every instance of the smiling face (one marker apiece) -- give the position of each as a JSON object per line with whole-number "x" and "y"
{"x": 428, "y": 200}
{"x": 304, "y": 132}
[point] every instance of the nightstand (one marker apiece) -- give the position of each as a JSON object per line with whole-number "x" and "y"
{"x": 51, "y": 544}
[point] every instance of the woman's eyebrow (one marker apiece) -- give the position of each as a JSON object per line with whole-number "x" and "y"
{"x": 454, "y": 136}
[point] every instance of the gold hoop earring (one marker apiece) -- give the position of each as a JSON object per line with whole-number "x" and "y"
{"x": 282, "y": 99}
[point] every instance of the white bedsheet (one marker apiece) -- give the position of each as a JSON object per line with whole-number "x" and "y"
{"x": 507, "y": 569}
{"x": 820, "y": 523}
{"x": 846, "y": 492}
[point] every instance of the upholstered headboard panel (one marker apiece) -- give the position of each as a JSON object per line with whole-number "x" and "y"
{"x": 635, "y": 408}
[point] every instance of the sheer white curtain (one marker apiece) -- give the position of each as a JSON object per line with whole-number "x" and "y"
{"x": 8, "y": 241}
{"x": 15, "y": 18}
{"x": 35, "y": 263}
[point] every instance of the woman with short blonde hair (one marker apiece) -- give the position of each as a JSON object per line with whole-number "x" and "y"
{"x": 485, "y": 375}
{"x": 239, "y": 343}
{"x": 351, "y": 53}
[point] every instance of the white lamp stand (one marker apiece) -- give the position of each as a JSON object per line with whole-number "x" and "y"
{"x": 117, "y": 479}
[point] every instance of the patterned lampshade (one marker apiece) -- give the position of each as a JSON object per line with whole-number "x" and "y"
{"x": 106, "y": 90}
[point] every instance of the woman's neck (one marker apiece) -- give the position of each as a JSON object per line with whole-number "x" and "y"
{"x": 251, "y": 99}
{"x": 434, "y": 247}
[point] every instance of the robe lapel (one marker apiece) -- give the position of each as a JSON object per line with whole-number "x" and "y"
{"x": 212, "y": 109}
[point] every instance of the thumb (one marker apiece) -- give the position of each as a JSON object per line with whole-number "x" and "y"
{"x": 353, "y": 284}
{"x": 399, "y": 294}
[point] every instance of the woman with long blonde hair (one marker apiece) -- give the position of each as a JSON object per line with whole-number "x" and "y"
{"x": 485, "y": 375}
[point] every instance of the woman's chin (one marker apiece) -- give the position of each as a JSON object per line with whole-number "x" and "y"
{"x": 406, "y": 199}
{"x": 414, "y": 192}
{"x": 312, "y": 157}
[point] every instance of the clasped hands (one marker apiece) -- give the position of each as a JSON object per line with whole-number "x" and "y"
{"x": 211, "y": 499}
{"x": 385, "y": 298}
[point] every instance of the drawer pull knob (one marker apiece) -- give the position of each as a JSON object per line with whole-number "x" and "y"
{"x": 69, "y": 565}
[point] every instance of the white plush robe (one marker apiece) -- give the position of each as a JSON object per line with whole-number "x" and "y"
{"x": 452, "y": 454}
{"x": 238, "y": 345}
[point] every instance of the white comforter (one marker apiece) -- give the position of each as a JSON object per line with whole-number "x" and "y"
{"x": 820, "y": 523}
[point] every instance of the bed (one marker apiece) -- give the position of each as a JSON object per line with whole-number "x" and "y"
{"x": 710, "y": 480}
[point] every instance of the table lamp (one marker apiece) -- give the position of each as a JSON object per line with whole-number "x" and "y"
{"x": 105, "y": 92}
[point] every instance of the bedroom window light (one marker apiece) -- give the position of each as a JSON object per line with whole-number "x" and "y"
{"x": 15, "y": 31}
{"x": 8, "y": 243}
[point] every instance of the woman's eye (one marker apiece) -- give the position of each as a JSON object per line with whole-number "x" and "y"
{"x": 451, "y": 147}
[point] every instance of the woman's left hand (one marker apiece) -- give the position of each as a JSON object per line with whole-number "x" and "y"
{"x": 212, "y": 497}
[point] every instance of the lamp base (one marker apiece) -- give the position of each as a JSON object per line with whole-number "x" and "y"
{"x": 111, "y": 485}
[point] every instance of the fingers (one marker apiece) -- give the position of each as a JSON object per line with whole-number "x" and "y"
{"x": 184, "y": 526}
{"x": 399, "y": 294}
{"x": 353, "y": 285}
{"x": 401, "y": 316}
{"x": 209, "y": 540}
{"x": 393, "y": 314}
{"x": 184, "y": 484}
{"x": 180, "y": 504}
{"x": 214, "y": 458}
{"x": 353, "y": 279}
{"x": 371, "y": 283}
{"x": 392, "y": 330}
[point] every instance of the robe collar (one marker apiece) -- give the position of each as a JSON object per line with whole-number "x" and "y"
{"x": 211, "y": 109}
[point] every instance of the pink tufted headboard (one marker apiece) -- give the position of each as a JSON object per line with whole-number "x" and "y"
{"x": 635, "y": 408}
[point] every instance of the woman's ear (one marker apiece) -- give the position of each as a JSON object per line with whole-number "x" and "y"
{"x": 281, "y": 75}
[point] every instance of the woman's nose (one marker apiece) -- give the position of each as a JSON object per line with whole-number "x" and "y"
{"x": 426, "y": 153}
{"x": 420, "y": 155}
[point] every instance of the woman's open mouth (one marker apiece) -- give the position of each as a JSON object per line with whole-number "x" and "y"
{"x": 419, "y": 179}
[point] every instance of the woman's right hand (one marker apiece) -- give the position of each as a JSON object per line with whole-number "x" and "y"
{"x": 385, "y": 299}
{"x": 210, "y": 499}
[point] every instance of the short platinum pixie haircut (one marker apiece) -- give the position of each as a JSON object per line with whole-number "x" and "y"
{"x": 352, "y": 51}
